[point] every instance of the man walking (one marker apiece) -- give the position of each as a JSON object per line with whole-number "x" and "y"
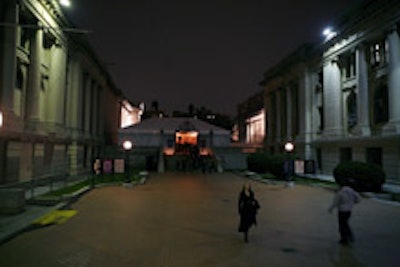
{"x": 344, "y": 201}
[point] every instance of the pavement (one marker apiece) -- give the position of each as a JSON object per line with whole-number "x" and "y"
{"x": 12, "y": 225}
{"x": 284, "y": 237}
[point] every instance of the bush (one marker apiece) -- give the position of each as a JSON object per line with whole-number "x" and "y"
{"x": 276, "y": 164}
{"x": 257, "y": 162}
{"x": 263, "y": 162}
{"x": 359, "y": 175}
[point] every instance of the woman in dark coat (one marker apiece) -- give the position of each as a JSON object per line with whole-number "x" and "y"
{"x": 248, "y": 207}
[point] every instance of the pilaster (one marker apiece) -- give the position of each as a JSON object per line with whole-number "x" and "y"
{"x": 332, "y": 100}
{"x": 393, "y": 81}
{"x": 34, "y": 80}
{"x": 363, "y": 91}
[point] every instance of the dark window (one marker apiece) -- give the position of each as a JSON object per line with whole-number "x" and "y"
{"x": 19, "y": 80}
{"x": 379, "y": 53}
{"x": 345, "y": 154}
{"x": 321, "y": 118}
{"x": 374, "y": 155}
{"x": 349, "y": 65}
{"x": 381, "y": 104}
{"x": 351, "y": 103}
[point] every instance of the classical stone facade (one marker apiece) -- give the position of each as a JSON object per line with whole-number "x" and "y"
{"x": 339, "y": 100}
{"x": 59, "y": 104}
{"x": 251, "y": 120}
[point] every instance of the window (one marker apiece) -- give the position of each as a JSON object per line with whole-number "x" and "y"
{"x": 345, "y": 154}
{"x": 381, "y": 104}
{"x": 321, "y": 79}
{"x": 374, "y": 155}
{"x": 349, "y": 65}
{"x": 321, "y": 118}
{"x": 351, "y": 103}
{"x": 379, "y": 53}
{"x": 19, "y": 80}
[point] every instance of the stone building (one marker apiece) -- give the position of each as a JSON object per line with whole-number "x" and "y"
{"x": 58, "y": 103}
{"x": 252, "y": 120}
{"x": 165, "y": 140}
{"x": 339, "y": 100}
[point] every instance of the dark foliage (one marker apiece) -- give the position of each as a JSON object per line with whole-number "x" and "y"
{"x": 363, "y": 177}
{"x": 263, "y": 162}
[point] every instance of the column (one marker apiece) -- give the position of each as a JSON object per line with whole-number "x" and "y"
{"x": 393, "y": 80}
{"x": 86, "y": 105}
{"x": 34, "y": 80}
{"x": 332, "y": 99}
{"x": 101, "y": 115}
{"x": 363, "y": 91}
{"x": 305, "y": 96}
{"x": 9, "y": 48}
{"x": 270, "y": 118}
{"x": 94, "y": 110}
{"x": 56, "y": 92}
{"x": 289, "y": 107}
{"x": 278, "y": 94}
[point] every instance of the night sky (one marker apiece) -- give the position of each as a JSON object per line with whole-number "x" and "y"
{"x": 208, "y": 53}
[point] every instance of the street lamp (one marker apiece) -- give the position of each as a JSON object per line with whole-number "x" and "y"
{"x": 289, "y": 147}
{"x": 288, "y": 164}
{"x": 127, "y": 145}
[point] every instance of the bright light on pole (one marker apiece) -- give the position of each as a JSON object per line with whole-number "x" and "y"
{"x": 127, "y": 145}
{"x": 289, "y": 147}
{"x": 288, "y": 164}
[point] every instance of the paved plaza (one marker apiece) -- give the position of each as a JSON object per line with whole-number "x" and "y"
{"x": 179, "y": 219}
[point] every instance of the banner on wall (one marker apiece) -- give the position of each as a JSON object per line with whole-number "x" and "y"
{"x": 299, "y": 166}
{"x": 107, "y": 166}
{"x": 119, "y": 166}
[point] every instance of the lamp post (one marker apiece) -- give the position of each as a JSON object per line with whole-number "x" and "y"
{"x": 288, "y": 165}
{"x": 127, "y": 145}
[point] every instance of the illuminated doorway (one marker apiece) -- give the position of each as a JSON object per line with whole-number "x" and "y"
{"x": 185, "y": 142}
{"x": 186, "y": 138}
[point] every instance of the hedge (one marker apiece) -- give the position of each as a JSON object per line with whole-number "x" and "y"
{"x": 360, "y": 175}
{"x": 264, "y": 162}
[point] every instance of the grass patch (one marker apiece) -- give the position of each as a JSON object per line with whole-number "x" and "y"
{"x": 269, "y": 176}
{"x": 96, "y": 180}
{"x": 300, "y": 180}
{"x": 311, "y": 181}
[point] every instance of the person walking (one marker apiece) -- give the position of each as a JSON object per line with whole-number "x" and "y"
{"x": 248, "y": 207}
{"x": 344, "y": 201}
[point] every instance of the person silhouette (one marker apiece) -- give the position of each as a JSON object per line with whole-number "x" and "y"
{"x": 248, "y": 207}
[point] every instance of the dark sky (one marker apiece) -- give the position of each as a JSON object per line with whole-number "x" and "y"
{"x": 209, "y": 53}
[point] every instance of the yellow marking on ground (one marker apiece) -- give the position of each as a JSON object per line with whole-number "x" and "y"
{"x": 55, "y": 217}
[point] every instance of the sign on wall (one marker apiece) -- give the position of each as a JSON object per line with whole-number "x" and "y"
{"x": 119, "y": 166}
